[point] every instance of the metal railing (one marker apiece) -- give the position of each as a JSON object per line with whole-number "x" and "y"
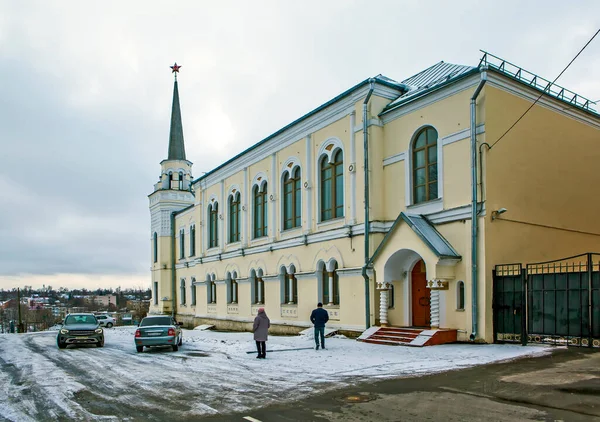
{"x": 535, "y": 81}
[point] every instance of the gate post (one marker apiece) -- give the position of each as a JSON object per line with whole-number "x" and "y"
{"x": 524, "y": 302}
{"x": 590, "y": 267}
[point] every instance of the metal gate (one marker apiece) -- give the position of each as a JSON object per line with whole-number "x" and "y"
{"x": 555, "y": 302}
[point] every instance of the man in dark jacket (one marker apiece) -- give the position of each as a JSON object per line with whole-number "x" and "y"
{"x": 319, "y": 317}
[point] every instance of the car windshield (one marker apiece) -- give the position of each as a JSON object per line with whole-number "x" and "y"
{"x": 156, "y": 321}
{"x": 80, "y": 319}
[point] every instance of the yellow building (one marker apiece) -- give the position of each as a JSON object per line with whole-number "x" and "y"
{"x": 282, "y": 225}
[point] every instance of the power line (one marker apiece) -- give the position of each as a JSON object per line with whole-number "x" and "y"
{"x": 547, "y": 87}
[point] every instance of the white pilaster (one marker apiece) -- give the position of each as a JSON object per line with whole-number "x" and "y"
{"x": 244, "y": 212}
{"x": 221, "y": 222}
{"x": 352, "y": 173}
{"x": 204, "y": 219}
{"x": 272, "y": 207}
{"x": 308, "y": 191}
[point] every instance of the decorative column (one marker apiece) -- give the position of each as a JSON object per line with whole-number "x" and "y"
{"x": 383, "y": 288}
{"x": 290, "y": 288}
{"x": 435, "y": 286}
{"x": 330, "y": 275}
{"x": 260, "y": 289}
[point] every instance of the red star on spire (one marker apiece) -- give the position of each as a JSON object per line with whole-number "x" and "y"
{"x": 175, "y": 68}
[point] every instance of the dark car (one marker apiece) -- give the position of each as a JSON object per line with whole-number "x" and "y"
{"x": 158, "y": 330}
{"x": 80, "y": 329}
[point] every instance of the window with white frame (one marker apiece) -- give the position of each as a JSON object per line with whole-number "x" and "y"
{"x": 260, "y": 205}
{"x": 192, "y": 240}
{"x": 193, "y": 291}
{"x": 181, "y": 243}
{"x": 234, "y": 217}
{"x": 182, "y": 291}
{"x": 155, "y": 247}
{"x": 155, "y": 293}
{"x": 332, "y": 185}
{"x": 213, "y": 223}
{"x": 289, "y": 287}
{"x": 330, "y": 285}
{"x": 460, "y": 295}
{"x": 292, "y": 199}
{"x": 425, "y": 165}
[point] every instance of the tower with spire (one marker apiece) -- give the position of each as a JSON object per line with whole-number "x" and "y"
{"x": 171, "y": 194}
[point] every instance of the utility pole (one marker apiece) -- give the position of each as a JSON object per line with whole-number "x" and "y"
{"x": 20, "y": 330}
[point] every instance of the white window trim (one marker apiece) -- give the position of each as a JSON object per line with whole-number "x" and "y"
{"x": 226, "y": 223}
{"x": 290, "y": 172}
{"x": 261, "y": 186}
{"x": 337, "y": 145}
{"x": 408, "y": 173}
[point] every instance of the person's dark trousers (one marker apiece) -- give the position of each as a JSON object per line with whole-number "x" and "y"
{"x": 320, "y": 332}
{"x": 261, "y": 347}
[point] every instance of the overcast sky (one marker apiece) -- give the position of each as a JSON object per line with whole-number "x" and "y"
{"x": 85, "y": 100}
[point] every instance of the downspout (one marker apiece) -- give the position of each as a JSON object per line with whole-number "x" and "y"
{"x": 173, "y": 275}
{"x": 474, "y": 212}
{"x": 367, "y": 225}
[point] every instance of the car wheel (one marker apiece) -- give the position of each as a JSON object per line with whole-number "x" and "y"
{"x": 61, "y": 345}
{"x": 100, "y": 343}
{"x": 139, "y": 349}
{"x": 109, "y": 325}
{"x": 175, "y": 347}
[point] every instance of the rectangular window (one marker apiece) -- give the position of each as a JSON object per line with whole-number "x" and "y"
{"x": 155, "y": 293}
{"x": 192, "y": 240}
{"x": 181, "y": 244}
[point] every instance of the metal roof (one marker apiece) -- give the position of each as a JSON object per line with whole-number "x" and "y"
{"x": 438, "y": 74}
{"x": 432, "y": 238}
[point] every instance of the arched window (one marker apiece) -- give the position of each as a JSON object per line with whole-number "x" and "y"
{"x": 425, "y": 170}
{"x": 213, "y": 289}
{"x": 180, "y": 180}
{"x": 181, "y": 243}
{"x": 213, "y": 219}
{"x": 182, "y": 291}
{"x": 193, "y": 290}
{"x": 234, "y": 218}
{"x": 192, "y": 240}
{"x": 332, "y": 187}
{"x": 460, "y": 295}
{"x": 170, "y": 180}
{"x": 260, "y": 210}
{"x": 289, "y": 287}
{"x": 233, "y": 288}
{"x": 155, "y": 247}
{"x": 259, "y": 287}
{"x": 330, "y": 286}
{"x": 292, "y": 202}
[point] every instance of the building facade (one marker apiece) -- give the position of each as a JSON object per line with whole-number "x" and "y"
{"x": 295, "y": 219}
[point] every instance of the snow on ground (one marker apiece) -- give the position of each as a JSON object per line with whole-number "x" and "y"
{"x": 211, "y": 372}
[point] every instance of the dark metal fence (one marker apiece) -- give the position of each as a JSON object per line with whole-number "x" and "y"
{"x": 555, "y": 302}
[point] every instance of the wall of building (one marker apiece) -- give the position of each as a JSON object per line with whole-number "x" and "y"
{"x": 543, "y": 173}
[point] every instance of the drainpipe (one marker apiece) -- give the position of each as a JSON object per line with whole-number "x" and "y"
{"x": 173, "y": 276}
{"x": 474, "y": 213}
{"x": 367, "y": 225}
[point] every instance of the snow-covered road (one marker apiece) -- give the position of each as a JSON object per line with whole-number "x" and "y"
{"x": 211, "y": 373}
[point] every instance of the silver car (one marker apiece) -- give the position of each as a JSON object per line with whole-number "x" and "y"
{"x": 158, "y": 330}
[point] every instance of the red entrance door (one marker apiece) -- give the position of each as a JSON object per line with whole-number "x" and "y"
{"x": 420, "y": 297}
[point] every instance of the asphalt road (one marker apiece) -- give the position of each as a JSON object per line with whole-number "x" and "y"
{"x": 564, "y": 386}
